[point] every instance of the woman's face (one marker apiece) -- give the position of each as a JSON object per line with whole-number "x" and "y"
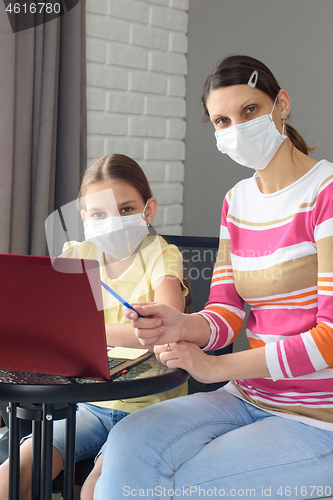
{"x": 113, "y": 198}
{"x": 229, "y": 106}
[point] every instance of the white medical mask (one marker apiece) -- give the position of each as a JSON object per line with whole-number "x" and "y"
{"x": 117, "y": 236}
{"x": 252, "y": 144}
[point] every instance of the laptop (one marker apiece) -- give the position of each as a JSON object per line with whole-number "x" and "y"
{"x": 52, "y": 321}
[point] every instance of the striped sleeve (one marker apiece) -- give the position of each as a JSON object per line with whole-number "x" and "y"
{"x": 312, "y": 351}
{"x": 224, "y": 310}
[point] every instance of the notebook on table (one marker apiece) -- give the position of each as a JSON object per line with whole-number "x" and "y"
{"x": 52, "y": 321}
{"x": 122, "y": 359}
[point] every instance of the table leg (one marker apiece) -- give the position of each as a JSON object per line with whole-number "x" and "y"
{"x": 14, "y": 454}
{"x": 69, "y": 459}
{"x": 36, "y": 459}
{"x": 47, "y": 445}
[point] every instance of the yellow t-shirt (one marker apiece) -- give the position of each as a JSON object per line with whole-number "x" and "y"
{"x": 154, "y": 259}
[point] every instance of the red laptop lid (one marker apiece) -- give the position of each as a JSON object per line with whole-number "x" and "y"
{"x": 49, "y": 319}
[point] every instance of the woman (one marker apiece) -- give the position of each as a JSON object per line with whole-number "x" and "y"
{"x": 268, "y": 432}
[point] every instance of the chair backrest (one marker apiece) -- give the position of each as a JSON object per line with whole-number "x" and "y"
{"x": 199, "y": 255}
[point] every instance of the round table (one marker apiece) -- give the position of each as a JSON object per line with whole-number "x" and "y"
{"x": 44, "y": 398}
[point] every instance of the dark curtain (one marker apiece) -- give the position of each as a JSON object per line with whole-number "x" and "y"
{"x": 42, "y": 125}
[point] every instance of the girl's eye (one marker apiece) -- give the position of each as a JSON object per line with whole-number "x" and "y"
{"x": 98, "y": 215}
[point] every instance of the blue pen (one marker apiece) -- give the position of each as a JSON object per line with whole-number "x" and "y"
{"x": 121, "y": 300}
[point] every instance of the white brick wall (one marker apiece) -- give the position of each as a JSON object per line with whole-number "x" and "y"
{"x": 136, "y": 67}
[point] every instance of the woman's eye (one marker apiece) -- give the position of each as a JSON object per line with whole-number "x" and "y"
{"x": 125, "y": 210}
{"x": 250, "y": 109}
{"x": 222, "y": 121}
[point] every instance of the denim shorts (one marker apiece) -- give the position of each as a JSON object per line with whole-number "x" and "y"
{"x": 93, "y": 424}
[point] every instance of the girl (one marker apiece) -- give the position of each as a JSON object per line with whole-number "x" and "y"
{"x": 268, "y": 432}
{"x": 117, "y": 208}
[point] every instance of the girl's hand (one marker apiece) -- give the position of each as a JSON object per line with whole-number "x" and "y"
{"x": 160, "y": 324}
{"x": 191, "y": 358}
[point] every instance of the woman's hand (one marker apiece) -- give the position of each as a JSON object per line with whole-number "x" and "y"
{"x": 160, "y": 324}
{"x": 188, "y": 356}
{"x": 185, "y": 335}
{"x": 209, "y": 369}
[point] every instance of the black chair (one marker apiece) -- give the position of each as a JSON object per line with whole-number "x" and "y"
{"x": 199, "y": 256}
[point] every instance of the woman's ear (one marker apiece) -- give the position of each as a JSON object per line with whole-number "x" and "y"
{"x": 150, "y": 209}
{"x": 83, "y": 215}
{"x": 284, "y": 103}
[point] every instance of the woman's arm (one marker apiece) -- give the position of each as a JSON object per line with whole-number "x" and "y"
{"x": 180, "y": 337}
{"x": 210, "y": 369}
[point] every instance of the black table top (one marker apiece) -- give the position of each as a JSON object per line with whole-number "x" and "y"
{"x": 150, "y": 377}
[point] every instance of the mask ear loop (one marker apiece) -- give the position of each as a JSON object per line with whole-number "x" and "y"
{"x": 253, "y": 79}
{"x": 271, "y": 117}
{"x": 271, "y": 113}
{"x": 140, "y": 253}
{"x": 283, "y": 126}
{"x": 143, "y": 212}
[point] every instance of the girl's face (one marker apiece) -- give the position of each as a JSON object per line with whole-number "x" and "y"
{"x": 228, "y": 106}
{"x": 114, "y": 198}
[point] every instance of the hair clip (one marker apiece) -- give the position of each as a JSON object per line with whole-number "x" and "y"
{"x": 253, "y": 79}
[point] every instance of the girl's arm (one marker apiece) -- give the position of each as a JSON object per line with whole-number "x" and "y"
{"x": 168, "y": 291}
{"x": 122, "y": 335}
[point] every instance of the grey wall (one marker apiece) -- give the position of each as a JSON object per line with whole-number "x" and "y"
{"x": 294, "y": 39}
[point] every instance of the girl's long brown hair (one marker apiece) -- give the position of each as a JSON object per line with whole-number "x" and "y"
{"x": 117, "y": 167}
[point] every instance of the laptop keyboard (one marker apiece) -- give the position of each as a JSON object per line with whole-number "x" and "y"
{"x": 115, "y": 362}
{"x": 136, "y": 371}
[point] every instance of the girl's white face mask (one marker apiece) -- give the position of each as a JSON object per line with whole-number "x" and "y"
{"x": 252, "y": 144}
{"x": 117, "y": 236}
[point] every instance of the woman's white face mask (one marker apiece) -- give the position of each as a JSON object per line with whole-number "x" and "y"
{"x": 252, "y": 144}
{"x": 117, "y": 236}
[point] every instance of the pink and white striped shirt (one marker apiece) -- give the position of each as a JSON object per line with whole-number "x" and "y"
{"x": 276, "y": 254}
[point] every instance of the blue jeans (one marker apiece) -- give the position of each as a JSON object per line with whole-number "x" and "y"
{"x": 93, "y": 424}
{"x": 214, "y": 445}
